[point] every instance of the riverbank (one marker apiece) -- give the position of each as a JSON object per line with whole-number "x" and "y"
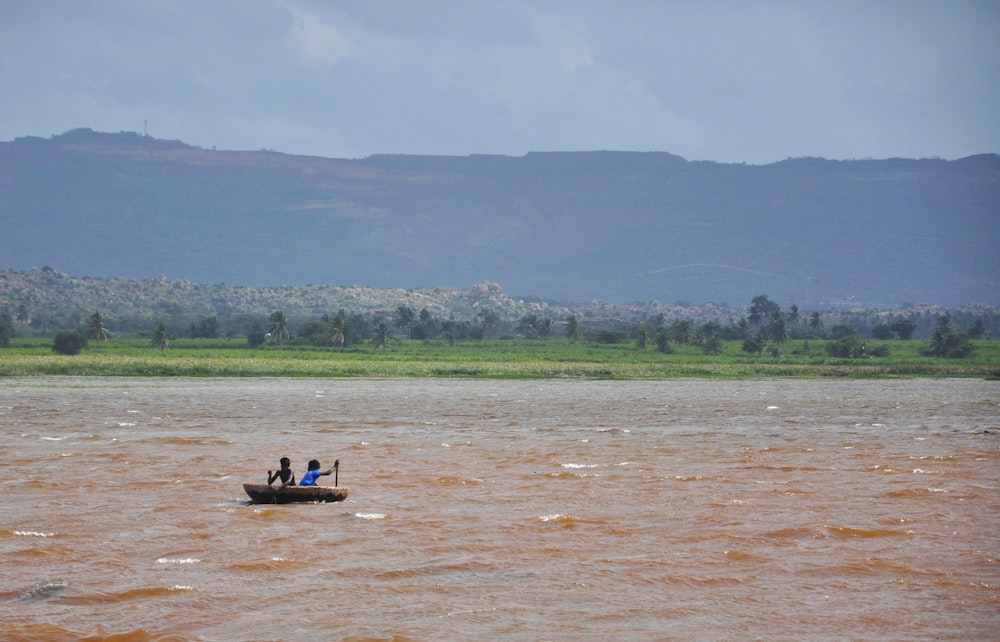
{"x": 501, "y": 359}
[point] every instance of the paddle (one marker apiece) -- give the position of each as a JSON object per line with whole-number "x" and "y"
{"x": 336, "y": 471}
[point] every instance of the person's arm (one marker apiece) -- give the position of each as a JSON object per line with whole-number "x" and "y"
{"x": 290, "y": 482}
{"x": 271, "y": 477}
{"x": 330, "y": 470}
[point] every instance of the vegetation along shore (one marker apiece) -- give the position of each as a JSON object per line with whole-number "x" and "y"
{"x": 51, "y": 324}
{"x": 499, "y": 358}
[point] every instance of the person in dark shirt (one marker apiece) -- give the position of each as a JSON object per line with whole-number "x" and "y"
{"x": 285, "y": 473}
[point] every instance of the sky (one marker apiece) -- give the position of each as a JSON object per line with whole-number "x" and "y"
{"x": 728, "y": 81}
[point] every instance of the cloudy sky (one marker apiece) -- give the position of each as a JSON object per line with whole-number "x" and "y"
{"x": 733, "y": 81}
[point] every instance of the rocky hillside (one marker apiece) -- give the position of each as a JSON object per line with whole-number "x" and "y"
{"x": 572, "y": 227}
{"x": 44, "y": 300}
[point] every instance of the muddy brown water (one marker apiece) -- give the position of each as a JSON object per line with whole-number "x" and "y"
{"x": 513, "y": 510}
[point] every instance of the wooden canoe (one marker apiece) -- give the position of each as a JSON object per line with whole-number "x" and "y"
{"x": 265, "y": 494}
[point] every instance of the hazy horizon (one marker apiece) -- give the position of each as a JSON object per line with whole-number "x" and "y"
{"x": 753, "y": 82}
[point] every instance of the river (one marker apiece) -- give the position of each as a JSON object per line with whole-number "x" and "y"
{"x": 513, "y": 510}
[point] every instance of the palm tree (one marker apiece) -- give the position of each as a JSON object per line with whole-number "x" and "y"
{"x": 7, "y": 330}
{"x": 528, "y": 326}
{"x": 815, "y": 321}
{"x": 338, "y": 329}
{"x": 450, "y": 330}
{"x": 96, "y": 329}
{"x": 337, "y": 336}
{"x": 161, "y": 339}
{"x": 763, "y": 310}
{"x": 978, "y": 330}
{"x": 405, "y": 318}
{"x": 712, "y": 344}
{"x": 278, "y": 326}
{"x": 381, "y": 338}
{"x": 939, "y": 344}
{"x": 778, "y": 331}
{"x": 943, "y": 325}
{"x": 641, "y": 336}
{"x": 681, "y": 331}
{"x": 572, "y": 328}
{"x": 945, "y": 343}
{"x": 904, "y": 328}
{"x": 663, "y": 341}
{"x": 489, "y": 320}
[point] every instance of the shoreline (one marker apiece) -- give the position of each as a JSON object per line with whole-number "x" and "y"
{"x": 85, "y": 365}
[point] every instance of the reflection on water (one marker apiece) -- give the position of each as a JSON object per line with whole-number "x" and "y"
{"x": 516, "y": 510}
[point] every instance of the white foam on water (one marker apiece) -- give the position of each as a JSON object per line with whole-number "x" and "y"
{"x": 558, "y": 517}
{"x": 33, "y": 534}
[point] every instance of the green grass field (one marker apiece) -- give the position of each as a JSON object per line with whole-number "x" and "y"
{"x": 508, "y": 358}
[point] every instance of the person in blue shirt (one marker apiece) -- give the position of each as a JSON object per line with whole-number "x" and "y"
{"x": 309, "y": 479}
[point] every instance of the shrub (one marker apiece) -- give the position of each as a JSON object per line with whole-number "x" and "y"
{"x": 878, "y": 351}
{"x": 849, "y": 347}
{"x": 882, "y": 331}
{"x": 754, "y": 344}
{"x": 842, "y": 331}
{"x": 663, "y": 342}
{"x": 69, "y": 342}
{"x": 951, "y": 345}
{"x": 256, "y": 337}
{"x": 712, "y": 345}
{"x": 616, "y": 335}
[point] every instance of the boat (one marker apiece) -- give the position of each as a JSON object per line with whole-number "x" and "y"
{"x": 267, "y": 494}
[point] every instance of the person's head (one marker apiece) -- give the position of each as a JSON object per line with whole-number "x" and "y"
{"x": 285, "y": 462}
{"x": 313, "y": 464}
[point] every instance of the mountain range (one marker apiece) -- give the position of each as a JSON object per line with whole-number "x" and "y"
{"x": 562, "y": 226}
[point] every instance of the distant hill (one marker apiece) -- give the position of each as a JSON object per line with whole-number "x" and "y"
{"x": 567, "y": 227}
{"x": 46, "y": 300}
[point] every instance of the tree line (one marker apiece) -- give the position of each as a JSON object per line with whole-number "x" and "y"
{"x": 764, "y": 328}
